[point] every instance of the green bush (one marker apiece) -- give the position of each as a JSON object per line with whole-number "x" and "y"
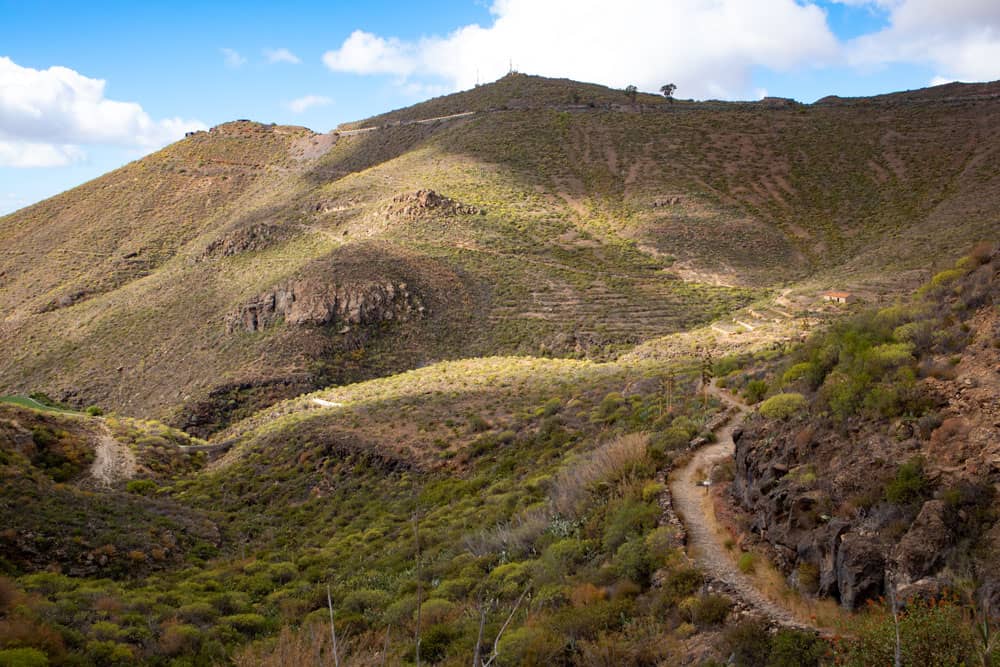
{"x": 434, "y": 642}
{"x": 671, "y": 439}
{"x": 805, "y": 370}
{"x": 746, "y": 562}
{"x": 710, "y": 610}
{"x": 110, "y": 653}
{"x": 910, "y": 483}
{"x": 783, "y": 406}
{"x": 682, "y": 583}
{"x": 23, "y": 657}
{"x": 632, "y": 561}
{"x": 755, "y": 391}
{"x": 795, "y": 648}
{"x": 749, "y": 643}
{"x": 141, "y": 487}
{"x": 628, "y": 517}
{"x": 247, "y": 624}
{"x": 931, "y": 633}
{"x": 946, "y": 277}
{"x": 529, "y": 645}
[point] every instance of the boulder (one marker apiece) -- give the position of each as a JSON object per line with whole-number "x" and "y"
{"x": 925, "y": 544}
{"x": 860, "y": 569}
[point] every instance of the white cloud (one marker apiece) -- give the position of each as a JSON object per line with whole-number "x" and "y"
{"x": 46, "y": 116}
{"x": 281, "y": 56}
{"x": 33, "y": 154}
{"x": 308, "y": 102}
{"x": 365, "y": 53}
{"x": 959, "y": 39}
{"x": 707, "y": 47}
{"x": 233, "y": 58}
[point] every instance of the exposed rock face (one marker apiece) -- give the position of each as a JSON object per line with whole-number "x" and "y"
{"x": 313, "y": 302}
{"x": 425, "y": 202}
{"x": 860, "y": 569}
{"x": 255, "y": 237}
{"x": 922, "y": 549}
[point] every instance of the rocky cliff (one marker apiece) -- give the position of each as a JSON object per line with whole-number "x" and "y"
{"x": 852, "y": 504}
{"x": 315, "y": 302}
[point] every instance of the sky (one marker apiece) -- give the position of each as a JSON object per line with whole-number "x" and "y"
{"x": 86, "y": 87}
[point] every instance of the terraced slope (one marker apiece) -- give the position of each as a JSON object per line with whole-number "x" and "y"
{"x": 251, "y": 263}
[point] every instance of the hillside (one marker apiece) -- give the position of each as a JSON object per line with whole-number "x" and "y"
{"x": 885, "y": 474}
{"x": 565, "y": 220}
{"x": 437, "y": 379}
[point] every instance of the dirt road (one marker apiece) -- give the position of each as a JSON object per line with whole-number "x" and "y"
{"x": 692, "y": 503}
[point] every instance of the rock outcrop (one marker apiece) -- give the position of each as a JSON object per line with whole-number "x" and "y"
{"x": 314, "y": 302}
{"x": 254, "y": 237}
{"x": 427, "y": 202}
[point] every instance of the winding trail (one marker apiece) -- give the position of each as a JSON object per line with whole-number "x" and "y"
{"x": 692, "y": 502}
{"x": 113, "y": 461}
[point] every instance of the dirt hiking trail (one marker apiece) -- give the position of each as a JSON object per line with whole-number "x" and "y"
{"x": 113, "y": 461}
{"x": 692, "y": 502}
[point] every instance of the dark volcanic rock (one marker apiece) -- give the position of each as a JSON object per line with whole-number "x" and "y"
{"x": 860, "y": 569}
{"x": 247, "y": 239}
{"x": 922, "y": 549}
{"x": 427, "y": 202}
{"x": 313, "y": 302}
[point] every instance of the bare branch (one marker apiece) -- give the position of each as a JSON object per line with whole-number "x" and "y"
{"x": 333, "y": 628}
{"x": 496, "y": 642}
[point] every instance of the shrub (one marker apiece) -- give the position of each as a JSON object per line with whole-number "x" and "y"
{"x": 746, "y": 562}
{"x": 141, "y": 487}
{"x": 755, "y": 391}
{"x": 632, "y": 561}
{"x": 749, "y": 643}
{"x": 23, "y": 657}
{"x": 910, "y": 483}
{"x": 808, "y": 577}
{"x": 710, "y": 610}
{"x": 931, "y": 633}
{"x": 179, "y": 638}
{"x": 435, "y": 611}
{"x": 529, "y": 645}
{"x": 783, "y": 406}
{"x": 612, "y": 408}
{"x": 94, "y": 411}
{"x": 618, "y": 462}
{"x": 365, "y": 601}
{"x": 477, "y": 424}
{"x": 110, "y": 653}
{"x": 795, "y": 648}
{"x": 8, "y": 594}
{"x": 946, "y": 277}
{"x": 626, "y": 518}
{"x": 651, "y": 490}
{"x": 668, "y": 440}
{"x": 682, "y": 583}
{"x": 247, "y": 624}
{"x": 435, "y": 641}
{"x": 805, "y": 370}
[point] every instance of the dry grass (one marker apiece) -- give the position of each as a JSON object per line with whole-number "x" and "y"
{"x": 615, "y": 464}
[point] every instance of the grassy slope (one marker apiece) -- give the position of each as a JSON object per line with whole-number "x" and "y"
{"x": 570, "y": 257}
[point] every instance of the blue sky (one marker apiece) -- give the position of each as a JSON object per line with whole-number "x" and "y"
{"x": 169, "y": 67}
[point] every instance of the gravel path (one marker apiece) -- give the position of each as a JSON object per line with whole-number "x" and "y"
{"x": 113, "y": 461}
{"x": 692, "y": 503}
